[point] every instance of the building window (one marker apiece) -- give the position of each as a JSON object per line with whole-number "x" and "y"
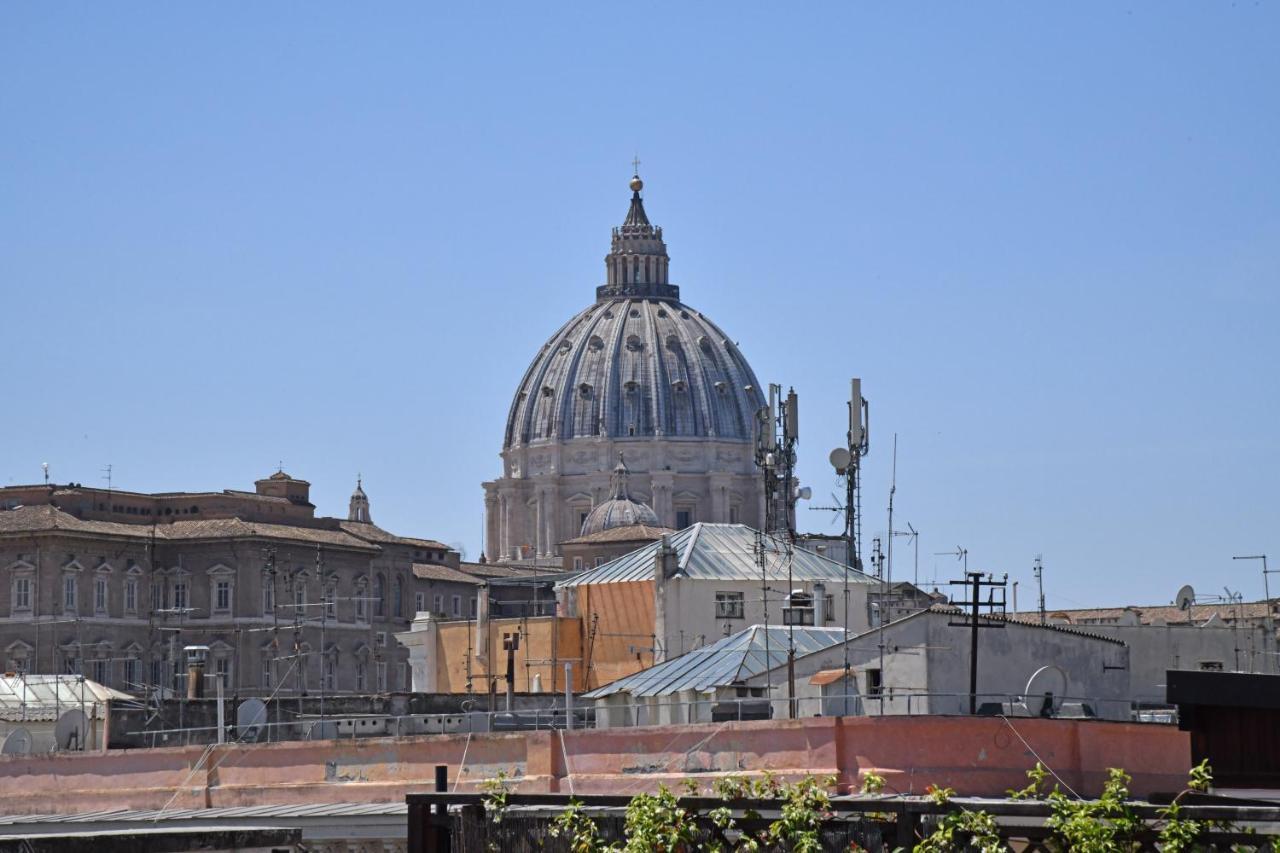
{"x": 22, "y": 593}
{"x": 829, "y": 607}
{"x": 222, "y": 669}
{"x": 268, "y": 671}
{"x": 330, "y": 673}
{"x": 100, "y": 596}
{"x": 457, "y": 606}
{"x": 438, "y": 603}
{"x": 684, "y": 518}
{"x": 300, "y": 598}
{"x": 268, "y": 595}
{"x": 599, "y": 561}
{"x": 475, "y": 607}
{"x": 362, "y": 677}
{"x": 875, "y": 685}
{"x": 222, "y": 596}
{"x": 330, "y": 603}
{"x": 131, "y": 595}
{"x": 179, "y": 595}
{"x": 735, "y": 514}
{"x": 69, "y": 593}
{"x": 131, "y": 673}
{"x": 70, "y": 665}
{"x": 419, "y": 602}
{"x": 729, "y": 605}
{"x": 157, "y": 595}
{"x": 99, "y": 671}
{"x": 379, "y": 596}
{"x": 382, "y": 676}
{"x": 402, "y": 676}
{"x": 397, "y": 600}
{"x": 362, "y": 603}
{"x": 577, "y": 564}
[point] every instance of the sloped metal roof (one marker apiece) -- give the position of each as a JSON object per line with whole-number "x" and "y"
{"x": 722, "y": 552}
{"x": 729, "y": 661}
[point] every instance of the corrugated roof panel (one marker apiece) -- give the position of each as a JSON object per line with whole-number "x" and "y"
{"x": 729, "y": 661}
{"x": 722, "y": 552}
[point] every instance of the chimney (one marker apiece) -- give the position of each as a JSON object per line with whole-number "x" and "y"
{"x": 820, "y": 614}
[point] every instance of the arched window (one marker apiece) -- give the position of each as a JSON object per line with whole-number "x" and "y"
{"x": 379, "y": 595}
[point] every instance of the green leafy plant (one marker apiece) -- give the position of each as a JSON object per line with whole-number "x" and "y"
{"x": 872, "y": 783}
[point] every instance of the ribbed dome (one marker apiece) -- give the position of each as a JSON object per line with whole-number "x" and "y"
{"x": 637, "y": 363}
{"x": 620, "y": 510}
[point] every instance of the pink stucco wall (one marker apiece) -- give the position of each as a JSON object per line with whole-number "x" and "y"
{"x": 975, "y": 755}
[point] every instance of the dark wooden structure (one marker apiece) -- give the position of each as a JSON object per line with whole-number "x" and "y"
{"x": 1234, "y": 721}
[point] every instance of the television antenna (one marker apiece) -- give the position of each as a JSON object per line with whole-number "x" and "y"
{"x": 1038, "y": 569}
{"x": 974, "y": 583}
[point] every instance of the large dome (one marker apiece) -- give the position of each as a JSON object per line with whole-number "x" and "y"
{"x": 638, "y": 363}
{"x": 636, "y": 372}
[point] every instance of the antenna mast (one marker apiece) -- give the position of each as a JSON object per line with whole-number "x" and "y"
{"x": 1039, "y": 571}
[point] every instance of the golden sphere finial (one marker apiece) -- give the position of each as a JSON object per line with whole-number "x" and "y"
{"x": 636, "y": 183}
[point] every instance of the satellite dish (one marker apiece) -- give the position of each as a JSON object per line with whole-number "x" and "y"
{"x": 1045, "y": 689}
{"x": 1186, "y": 597}
{"x": 70, "y": 730}
{"x": 251, "y": 717}
{"x": 17, "y": 742}
{"x": 840, "y": 459}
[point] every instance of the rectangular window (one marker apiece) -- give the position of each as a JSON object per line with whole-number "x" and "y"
{"x": 874, "y": 684}
{"x": 268, "y": 595}
{"x": 99, "y": 595}
{"x": 729, "y": 605}
{"x": 475, "y": 607}
{"x": 419, "y": 602}
{"x": 157, "y": 595}
{"x": 402, "y": 676}
{"x": 179, "y": 595}
{"x": 362, "y": 602}
{"x": 268, "y": 672}
{"x": 131, "y": 673}
{"x": 222, "y": 669}
{"x": 829, "y": 608}
{"x": 457, "y": 606}
{"x": 222, "y": 596}
{"x": 70, "y": 665}
{"x": 22, "y": 593}
{"x": 300, "y": 599}
{"x": 438, "y": 602}
{"x": 382, "y": 676}
{"x": 684, "y": 518}
{"x": 361, "y": 676}
{"x": 577, "y": 564}
{"x": 99, "y": 672}
{"x": 69, "y": 592}
{"x": 157, "y": 672}
{"x": 330, "y": 603}
{"x": 734, "y": 515}
{"x": 131, "y": 595}
{"x": 599, "y": 561}
{"x": 330, "y": 673}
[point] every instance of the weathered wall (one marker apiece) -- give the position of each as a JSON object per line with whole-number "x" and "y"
{"x": 623, "y": 632}
{"x": 546, "y": 644}
{"x": 980, "y": 756}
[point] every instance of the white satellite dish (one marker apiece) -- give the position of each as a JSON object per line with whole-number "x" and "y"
{"x": 70, "y": 730}
{"x": 840, "y": 459}
{"x": 1045, "y": 689}
{"x": 251, "y": 717}
{"x": 17, "y": 742}
{"x": 1186, "y": 597}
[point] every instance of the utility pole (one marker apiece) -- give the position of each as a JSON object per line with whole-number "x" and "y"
{"x": 1039, "y": 572}
{"x": 973, "y": 583}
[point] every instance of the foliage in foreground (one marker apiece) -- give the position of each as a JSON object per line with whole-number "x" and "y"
{"x": 1109, "y": 824}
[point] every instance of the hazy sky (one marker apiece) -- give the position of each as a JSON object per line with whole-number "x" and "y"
{"x": 336, "y": 234}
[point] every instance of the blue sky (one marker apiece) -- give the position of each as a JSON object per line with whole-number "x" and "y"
{"x": 334, "y": 235}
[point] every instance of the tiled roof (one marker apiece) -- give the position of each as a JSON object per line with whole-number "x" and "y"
{"x": 729, "y": 661}
{"x": 1018, "y": 619}
{"x": 499, "y": 570}
{"x": 629, "y": 533}
{"x": 722, "y": 552}
{"x": 1147, "y": 615}
{"x": 371, "y": 532}
{"x": 36, "y": 519}
{"x": 431, "y": 571}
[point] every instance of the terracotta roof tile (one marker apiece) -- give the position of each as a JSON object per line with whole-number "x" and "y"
{"x": 629, "y": 533}
{"x": 431, "y": 571}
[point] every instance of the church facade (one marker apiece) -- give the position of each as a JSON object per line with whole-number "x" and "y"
{"x": 639, "y": 375}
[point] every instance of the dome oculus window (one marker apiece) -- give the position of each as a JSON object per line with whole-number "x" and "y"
{"x": 584, "y": 389}
{"x": 596, "y": 343}
{"x": 634, "y": 343}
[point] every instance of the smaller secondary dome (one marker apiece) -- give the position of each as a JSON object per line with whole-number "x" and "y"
{"x": 620, "y": 510}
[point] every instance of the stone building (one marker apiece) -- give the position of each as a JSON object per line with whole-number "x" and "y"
{"x": 614, "y": 527}
{"x": 636, "y": 371}
{"x": 113, "y": 584}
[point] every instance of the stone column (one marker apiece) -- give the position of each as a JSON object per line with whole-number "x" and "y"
{"x": 492, "y": 523}
{"x": 663, "y": 484}
{"x": 540, "y": 524}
